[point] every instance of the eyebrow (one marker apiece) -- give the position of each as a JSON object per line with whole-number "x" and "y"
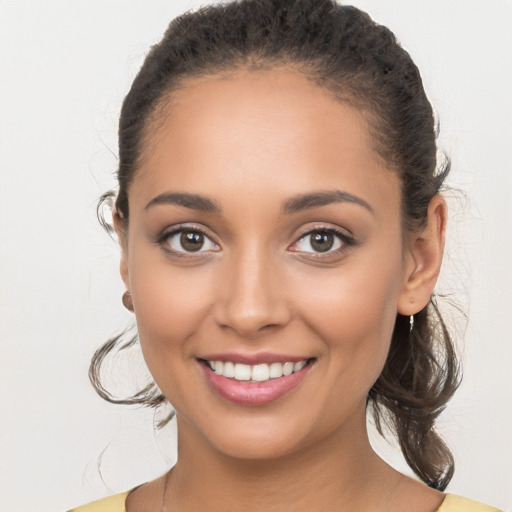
{"x": 192, "y": 201}
{"x": 295, "y": 204}
{"x": 321, "y": 198}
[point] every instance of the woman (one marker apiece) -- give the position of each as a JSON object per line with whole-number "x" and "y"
{"x": 282, "y": 232}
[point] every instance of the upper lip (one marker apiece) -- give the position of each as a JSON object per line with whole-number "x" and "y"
{"x": 253, "y": 359}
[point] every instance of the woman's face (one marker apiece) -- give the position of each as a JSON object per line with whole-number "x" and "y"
{"x": 264, "y": 229}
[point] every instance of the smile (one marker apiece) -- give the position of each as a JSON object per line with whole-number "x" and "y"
{"x": 255, "y": 373}
{"x": 254, "y": 384}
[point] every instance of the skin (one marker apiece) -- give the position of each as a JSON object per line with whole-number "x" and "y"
{"x": 250, "y": 142}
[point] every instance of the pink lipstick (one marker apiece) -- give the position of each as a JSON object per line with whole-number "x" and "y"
{"x": 254, "y": 380}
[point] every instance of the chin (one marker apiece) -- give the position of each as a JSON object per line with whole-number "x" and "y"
{"x": 246, "y": 437}
{"x": 257, "y": 448}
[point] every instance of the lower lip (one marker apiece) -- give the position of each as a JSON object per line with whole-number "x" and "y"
{"x": 254, "y": 393}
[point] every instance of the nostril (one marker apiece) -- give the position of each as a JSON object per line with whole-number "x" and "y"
{"x": 250, "y": 322}
{"x": 249, "y": 298}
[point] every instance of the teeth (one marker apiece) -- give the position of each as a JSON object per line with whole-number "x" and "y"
{"x": 242, "y": 372}
{"x": 275, "y": 370}
{"x": 260, "y": 373}
{"x": 297, "y": 367}
{"x": 229, "y": 370}
{"x": 257, "y": 372}
{"x": 287, "y": 368}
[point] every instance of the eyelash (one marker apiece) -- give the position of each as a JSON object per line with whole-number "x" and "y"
{"x": 345, "y": 240}
{"x": 163, "y": 238}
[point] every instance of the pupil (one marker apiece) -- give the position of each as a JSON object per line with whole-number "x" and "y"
{"x": 322, "y": 241}
{"x": 192, "y": 240}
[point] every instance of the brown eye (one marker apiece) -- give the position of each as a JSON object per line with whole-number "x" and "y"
{"x": 191, "y": 241}
{"x": 322, "y": 241}
{"x": 188, "y": 240}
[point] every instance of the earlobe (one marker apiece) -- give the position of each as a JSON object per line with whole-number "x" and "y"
{"x": 120, "y": 229}
{"x": 425, "y": 256}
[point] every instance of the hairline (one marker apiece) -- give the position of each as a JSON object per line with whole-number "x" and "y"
{"x": 163, "y": 106}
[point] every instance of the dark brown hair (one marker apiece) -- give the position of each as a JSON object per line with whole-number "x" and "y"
{"x": 342, "y": 49}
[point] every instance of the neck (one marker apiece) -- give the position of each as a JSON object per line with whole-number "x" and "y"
{"x": 339, "y": 469}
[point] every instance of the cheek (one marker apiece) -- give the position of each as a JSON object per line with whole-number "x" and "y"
{"x": 171, "y": 304}
{"x": 353, "y": 311}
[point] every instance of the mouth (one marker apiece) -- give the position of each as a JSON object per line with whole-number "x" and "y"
{"x": 254, "y": 384}
{"x": 255, "y": 373}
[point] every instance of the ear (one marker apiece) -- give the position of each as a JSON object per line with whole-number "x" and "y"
{"x": 423, "y": 259}
{"x": 122, "y": 235}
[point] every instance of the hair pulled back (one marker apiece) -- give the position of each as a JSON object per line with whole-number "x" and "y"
{"x": 342, "y": 49}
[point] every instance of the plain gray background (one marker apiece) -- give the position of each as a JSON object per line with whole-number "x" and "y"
{"x": 64, "y": 68}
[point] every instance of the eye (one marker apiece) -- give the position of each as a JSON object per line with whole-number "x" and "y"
{"x": 187, "y": 240}
{"x": 322, "y": 240}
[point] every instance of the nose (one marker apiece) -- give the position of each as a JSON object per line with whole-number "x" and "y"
{"x": 251, "y": 296}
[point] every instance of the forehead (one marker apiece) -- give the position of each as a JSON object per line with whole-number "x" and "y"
{"x": 266, "y": 130}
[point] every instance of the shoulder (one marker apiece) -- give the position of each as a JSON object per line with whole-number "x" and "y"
{"x": 114, "y": 503}
{"x": 454, "y": 503}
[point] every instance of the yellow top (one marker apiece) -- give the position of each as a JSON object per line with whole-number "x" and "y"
{"x": 454, "y": 503}
{"x": 451, "y": 503}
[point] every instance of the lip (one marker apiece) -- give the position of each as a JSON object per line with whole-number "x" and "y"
{"x": 256, "y": 358}
{"x": 254, "y": 393}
